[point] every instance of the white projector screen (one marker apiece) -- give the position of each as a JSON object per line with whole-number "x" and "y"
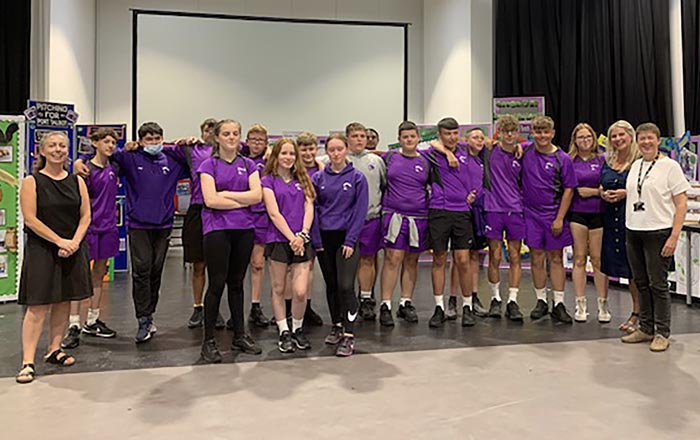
{"x": 289, "y": 75}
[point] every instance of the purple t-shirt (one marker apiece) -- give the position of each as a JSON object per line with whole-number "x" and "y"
{"x": 102, "y": 185}
{"x": 450, "y": 189}
{"x": 259, "y": 163}
{"x": 504, "y": 194}
{"x": 540, "y": 176}
{"x": 290, "y": 202}
{"x": 475, "y": 168}
{"x": 407, "y": 184}
{"x": 198, "y": 154}
{"x": 228, "y": 177}
{"x": 588, "y": 176}
{"x": 312, "y": 170}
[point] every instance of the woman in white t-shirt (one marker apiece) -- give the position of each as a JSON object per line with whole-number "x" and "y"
{"x": 656, "y": 208}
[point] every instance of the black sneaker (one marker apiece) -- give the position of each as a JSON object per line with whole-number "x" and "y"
{"x": 438, "y": 318}
{"x": 300, "y": 339}
{"x": 451, "y": 313}
{"x": 468, "y": 319}
{"x": 513, "y": 312}
{"x": 495, "y": 308}
{"x": 285, "y": 344}
{"x": 477, "y": 307}
{"x": 144, "y": 332}
{"x": 346, "y": 346}
{"x": 407, "y": 312}
{"x": 72, "y": 338}
{"x": 311, "y": 318}
{"x": 367, "y": 312}
{"x": 257, "y": 317}
{"x": 540, "y": 310}
{"x": 99, "y": 329}
{"x": 246, "y": 344}
{"x": 197, "y": 318}
{"x": 210, "y": 353}
{"x": 220, "y": 323}
{"x": 385, "y": 318}
{"x": 560, "y": 314}
{"x": 335, "y": 335}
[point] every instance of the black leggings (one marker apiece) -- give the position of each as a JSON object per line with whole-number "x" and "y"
{"x": 339, "y": 275}
{"x": 227, "y": 254}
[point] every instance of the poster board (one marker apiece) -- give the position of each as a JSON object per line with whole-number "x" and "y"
{"x": 524, "y": 108}
{"x": 44, "y": 117}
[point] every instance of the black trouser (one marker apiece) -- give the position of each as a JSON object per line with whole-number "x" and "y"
{"x": 339, "y": 275}
{"x": 147, "y": 248}
{"x": 227, "y": 254}
{"x": 650, "y": 273}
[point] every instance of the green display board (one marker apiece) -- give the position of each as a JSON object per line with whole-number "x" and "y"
{"x": 11, "y": 236}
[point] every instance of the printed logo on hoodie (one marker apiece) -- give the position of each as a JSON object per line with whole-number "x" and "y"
{"x": 347, "y": 186}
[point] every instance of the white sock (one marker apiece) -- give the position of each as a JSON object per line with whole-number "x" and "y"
{"x": 92, "y": 316}
{"x": 74, "y": 321}
{"x": 282, "y": 326}
{"x": 513, "y": 294}
{"x": 558, "y": 297}
{"x": 541, "y": 294}
{"x": 439, "y": 301}
{"x": 387, "y": 303}
{"x": 467, "y": 301}
{"x": 496, "y": 291}
{"x": 297, "y": 323}
{"x": 364, "y": 294}
{"x": 403, "y": 301}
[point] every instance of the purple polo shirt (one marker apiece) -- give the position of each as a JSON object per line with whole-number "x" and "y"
{"x": 450, "y": 189}
{"x": 504, "y": 194}
{"x": 102, "y": 185}
{"x": 198, "y": 154}
{"x": 588, "y": 176}
{"x": 539, "y": 175}
{"x": 290, "y": 202}
{"x": 407, "y": 184}
{"x": 259, "y": 163}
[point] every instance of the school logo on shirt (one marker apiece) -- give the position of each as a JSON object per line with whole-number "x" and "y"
{"x": 347, "y": 186}
{"x": 370, "y": 167}
{"x": 260, "y": 166}
{"x": 240, "y": 170}
{"x": 463, "y": 159}
{"x": 111, "y": 175}
{"x": 166, "y": 170}
{"x": 418, "y": 168}
{"x": 594, "y": 166}
{"x": 515, "y": 164}
{"x": 298, "y": 186}
{"x": 548, "y": 165}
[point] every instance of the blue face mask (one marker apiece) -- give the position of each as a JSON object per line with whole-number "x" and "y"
{"x": 153, "y": 150}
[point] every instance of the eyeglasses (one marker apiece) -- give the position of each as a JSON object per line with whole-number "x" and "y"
{"x": 584, "y": 138}
{"x": 262, "y": 140}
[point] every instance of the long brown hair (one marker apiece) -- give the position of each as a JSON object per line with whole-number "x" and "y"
{"x": 298, "y": 169}
{"x": 217, "y": 131}
{"x": 40, "y": 161}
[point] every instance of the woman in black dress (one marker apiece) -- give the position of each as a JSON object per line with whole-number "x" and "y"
{"x": 56, "y": 265}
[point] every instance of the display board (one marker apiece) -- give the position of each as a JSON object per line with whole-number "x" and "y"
{"x": 44, "y": 117}
{"x": 428, "y": 133}
{"x": 11, "y": 223}
{"x": 525, "y": 108}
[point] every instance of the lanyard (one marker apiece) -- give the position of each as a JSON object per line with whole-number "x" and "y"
{"x": 640, "y": 179}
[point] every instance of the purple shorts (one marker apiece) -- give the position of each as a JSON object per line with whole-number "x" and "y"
{"x": 512, "y": 223}
{"x": 403, "y": 241}
{"x": 539, "y": 233}
{"x": 260, "y": 223}
{"x": 371, "y": 238}
{"x": 103, "y": 245}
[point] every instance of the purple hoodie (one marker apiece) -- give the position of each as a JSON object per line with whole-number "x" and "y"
{"x": 342, "y": 200}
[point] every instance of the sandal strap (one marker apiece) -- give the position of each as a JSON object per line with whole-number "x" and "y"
{"x": 635, "y": 314}
{"x": 56, "y": 358}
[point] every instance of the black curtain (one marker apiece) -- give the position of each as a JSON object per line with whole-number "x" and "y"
{"x": 691, "y": 64}
{"x": 594, "y": 61}
{"x": 14, "y": 55}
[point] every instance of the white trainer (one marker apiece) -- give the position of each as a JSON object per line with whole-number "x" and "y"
{"x": 581, "y": 314}
{"x": 604, "y": 315}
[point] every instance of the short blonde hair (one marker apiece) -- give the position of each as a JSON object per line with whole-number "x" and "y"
{"x": 257, "y": 128}
{"x": 307, "y": 138}
{"x": 542, "y": 122}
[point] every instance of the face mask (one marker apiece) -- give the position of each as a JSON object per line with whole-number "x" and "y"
{"x": 153, "y": 150}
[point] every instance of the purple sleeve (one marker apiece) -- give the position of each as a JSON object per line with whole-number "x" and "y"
{"x": 206, "y": 167}
{"x": 357, "y": 217}
{"x": 266, "y": 182}
{"x": 176, "y": 153}
{"x": 568, "y": 176}
{"x": 315, "y": 229}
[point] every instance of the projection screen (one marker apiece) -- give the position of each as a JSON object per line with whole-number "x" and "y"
{"x": 290, "y": 75}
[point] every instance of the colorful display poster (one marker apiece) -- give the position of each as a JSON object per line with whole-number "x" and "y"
{"x": 11, "y": 223}
{"x": 522, "y": 107}
{"x": 44, "y": 117}
{"x": 428, "y": 133}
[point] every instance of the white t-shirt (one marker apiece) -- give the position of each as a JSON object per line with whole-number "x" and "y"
{"x": 664, "y": 181}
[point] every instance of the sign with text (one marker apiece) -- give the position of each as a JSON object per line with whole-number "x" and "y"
{"x": 45, "y": 117}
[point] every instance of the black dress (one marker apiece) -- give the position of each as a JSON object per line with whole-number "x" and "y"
{"x": 614, "y": 256}
{"x": 46, "y": 277}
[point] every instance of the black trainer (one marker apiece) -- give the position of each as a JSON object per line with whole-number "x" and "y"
{"x": 367, "y": 312}
{"x": 438, "y": 318}
{"x": 335, "y": 335}
{"x": 495, "y": 308}
{"x": 300, "y": 339}
{"x": 468, "y": 319}
{"x": 513, "y": 312}
{"x": 311, "y": 318}
{"x": 72, "y": 338}
{"x": 257, "y": 317}
{"x": 285, "y": 343}
{"x": 210, "y": 353}
{"x": 99, "y": 329}
{"x": 197, "y": 318}
{"x": 220, "y": 323}
{"x": 477, "y": 307}
{"x": 246, "y": 344}
{"x": 407, "y": 312}
{"x": 385, "y": 318}
{"x": 540, "y": 310}
{"x": 451, "y": 313}
{"x": 560, "y": 314}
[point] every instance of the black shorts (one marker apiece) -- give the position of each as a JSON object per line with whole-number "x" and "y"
{"x": 192, "y": 236}
{"x": 282, "y": 253}
{"x": 587, "y": 219}
{"x": 453, "y": 228}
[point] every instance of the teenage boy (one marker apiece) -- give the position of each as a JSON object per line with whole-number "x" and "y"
{"x": 548, "y": 186}
{"x": 151, "y": 180}
{"x": 504, "y": 215}
{"x": 372, "y": 139}
{"x": 449, "y": 220}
